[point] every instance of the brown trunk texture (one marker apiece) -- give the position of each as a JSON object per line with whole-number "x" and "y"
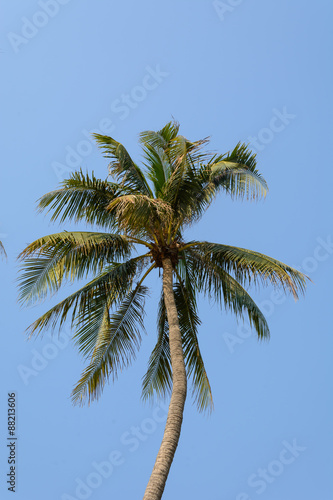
{"x": 156, "y": 484}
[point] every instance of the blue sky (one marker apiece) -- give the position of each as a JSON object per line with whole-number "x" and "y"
{"x": 254, "y": 72}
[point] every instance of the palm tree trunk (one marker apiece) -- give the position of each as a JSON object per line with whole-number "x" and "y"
{"x": 173, "y": 424}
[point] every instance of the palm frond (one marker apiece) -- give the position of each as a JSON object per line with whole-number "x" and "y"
{"x": 90, "y": 322}
{"x": 161, "y": 138}
{"x": 236, "y": 173}
{"x": 158, "y": 378}
{"x": 182, "y": 192}
{"x": 122, "y": 166}
{"x": 118, "y": 340}
{"x": 67, "y": 255}
{"x": 189, "y": 322}
{"x": 181, "y": 151}
{"x": 183, "y": 186}
{"x": 211, "y": 279}
{"x": 169, "y": 157}
{"x": 113, "y": 283}
{"x": 82, "y": 198}
{"x": 139, "y": 214}
{"x": 90, "y": 319}
{"x": 250, "y": 267}
{"x": 158, "y": 167}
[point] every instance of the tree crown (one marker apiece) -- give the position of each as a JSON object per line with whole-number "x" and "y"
{"x": 147, "y": 208}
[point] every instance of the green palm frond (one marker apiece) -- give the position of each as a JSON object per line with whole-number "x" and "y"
{"x": 122, "y": 167}
{"x": 158, "y": 378}
{"x": 211, "y": 279}
{"x": 185, "y": 197}
{"x": 170, "y": 156}
{"x": 193, "y": 186}
{"x": 113, "y": 283}
{"x": 183, "y": 152}
{"x": 67, "y": 255}
{"x": 251, "y": 267}
{"x": 89, "y": 318}
{"x": 184, "y": 155}
{"x": 161, "y": 138}
{"x": 118, "y": 340}
{"x": 189, "y": 322}
{"x": 158, "y": 167}
{"x": 82, "y": 198}
{"x": 236, "y": 173}
{"x": 90, "y": 321}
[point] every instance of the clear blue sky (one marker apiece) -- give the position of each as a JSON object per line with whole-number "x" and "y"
{"x": 257, "y": 72}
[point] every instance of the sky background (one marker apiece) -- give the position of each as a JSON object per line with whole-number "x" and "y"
{"x": 257, "y": 72}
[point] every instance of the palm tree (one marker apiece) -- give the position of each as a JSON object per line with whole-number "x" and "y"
{"x": 149, "y": 209}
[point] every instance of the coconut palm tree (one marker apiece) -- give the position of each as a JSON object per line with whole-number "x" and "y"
{"x": 147, "y": 211}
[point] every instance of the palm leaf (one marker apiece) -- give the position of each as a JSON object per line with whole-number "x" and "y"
{"x": 89, "y": 322}
{"x": 158, "y": 167}
{"x": 82, "y": 198}
{"x": 113, "y": 283}
{"x": 182, "y": 152}
{"x": 89, "y": 319}
{"x": 158, "y": 378}
{"x": 236, "y": 173}
{"x": 122, "y": 166}
{"x": 140, "y": 215}
{"x": 211, "y": 279}
{"x": 70, "y": 255}
{"x": 183, "y": 156}
{"x": 248, "y": 266}
{"x": 182, "y": 194}
{"x": 189, "y": 322}
{"x": 161, "y": 138}
{"x": 118, "y": 339}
